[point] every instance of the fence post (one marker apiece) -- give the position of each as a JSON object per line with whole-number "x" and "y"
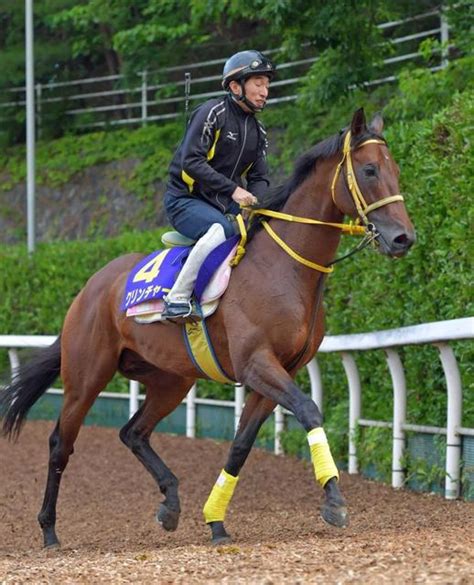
{"x": 444, "y": 38}
{"x": 316, "y": 383}
{"x": 144, "y": 97}
{"x": 134, "y": 388}
{"x": 187, "y": 92}
{"x": 239, "y": 398}
{"x": 14, "y": 361}
{"x": 191, "y": 413}
{"x": 39, "y": 92}
{"x": 399, "y": 416}
{"x": 454, "y": 419}
{"x": 353, "y": 379}
{"x": 279, "y": 427}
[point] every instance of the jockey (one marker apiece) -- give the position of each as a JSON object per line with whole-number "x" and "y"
{"x": 223, "y": 144}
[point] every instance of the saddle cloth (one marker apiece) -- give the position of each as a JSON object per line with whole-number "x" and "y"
{"x": 153, "y": 277}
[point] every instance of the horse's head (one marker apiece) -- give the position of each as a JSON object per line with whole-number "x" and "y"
{"x": 365, "y": 186}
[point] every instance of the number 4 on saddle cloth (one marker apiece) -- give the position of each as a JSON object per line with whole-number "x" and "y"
{"x": 153, "y": 277}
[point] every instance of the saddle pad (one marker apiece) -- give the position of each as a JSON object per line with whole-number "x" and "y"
{"x": 153, "y": 277}
{"x": 221, "y": 254}
{"x": 219, "y": 281}
{"x": 151, "y": 312}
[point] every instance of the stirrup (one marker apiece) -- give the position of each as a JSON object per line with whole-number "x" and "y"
{"x": 180, "y": 310}
{"x": 174, "y": 239}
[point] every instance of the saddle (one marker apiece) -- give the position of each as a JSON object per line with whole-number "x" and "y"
{"x": 153, "y": 277}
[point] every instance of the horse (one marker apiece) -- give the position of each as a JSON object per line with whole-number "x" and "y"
{"x": 268, "y": 325}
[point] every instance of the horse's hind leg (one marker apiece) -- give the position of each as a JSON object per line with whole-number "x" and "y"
{"x": 163, "y": 394}
{"x": 81, "y": 387}
{"x": 256, "y": 411}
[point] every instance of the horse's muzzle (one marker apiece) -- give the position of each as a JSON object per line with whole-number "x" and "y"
{"x": 395, "y": 240}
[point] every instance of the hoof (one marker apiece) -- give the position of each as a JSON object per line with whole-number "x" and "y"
{"x": 335, "y": 515}
{"x": 50, "y": 540}
{"x": 220, "y": 540}
{"x": 219, "y": 534}
{"x": 167, "y": 518}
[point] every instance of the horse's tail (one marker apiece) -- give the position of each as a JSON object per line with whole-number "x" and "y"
{"x": 29, "y": 383}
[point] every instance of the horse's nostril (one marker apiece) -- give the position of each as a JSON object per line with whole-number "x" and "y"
{"x": 403, "y": 241}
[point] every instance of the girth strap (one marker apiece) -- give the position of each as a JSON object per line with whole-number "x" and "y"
{"x": 201, "y": 352}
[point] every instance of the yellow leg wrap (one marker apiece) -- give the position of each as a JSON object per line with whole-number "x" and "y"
{"x": 219, "y": 498}
{"x": 323, "y": 463}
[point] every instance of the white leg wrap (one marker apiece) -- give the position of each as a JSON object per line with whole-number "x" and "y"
{"x": 184, "y": 285}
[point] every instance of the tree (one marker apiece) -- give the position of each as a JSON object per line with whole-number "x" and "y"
{"x": 51, "y": 47}
{"x": 92, "y": 25}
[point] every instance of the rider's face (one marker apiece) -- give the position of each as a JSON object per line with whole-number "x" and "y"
{"x": 256, "y": 90}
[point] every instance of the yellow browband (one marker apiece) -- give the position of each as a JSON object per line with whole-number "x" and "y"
{"x": 362, "y": 210}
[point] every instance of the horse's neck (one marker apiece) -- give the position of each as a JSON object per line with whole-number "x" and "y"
{"x": 312, "y": 199}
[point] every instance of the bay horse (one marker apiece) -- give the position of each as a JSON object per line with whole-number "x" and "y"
{"x": 268, "y": 325}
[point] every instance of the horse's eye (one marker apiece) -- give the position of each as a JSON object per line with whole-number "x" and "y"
{"x": 370, "y": 171}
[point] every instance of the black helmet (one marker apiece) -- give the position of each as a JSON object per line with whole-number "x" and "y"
{"x": 243, "y": 65}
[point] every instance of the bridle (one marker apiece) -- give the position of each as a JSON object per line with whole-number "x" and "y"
{"x": 361, "y": 206}
{"x": 363, "y": 209}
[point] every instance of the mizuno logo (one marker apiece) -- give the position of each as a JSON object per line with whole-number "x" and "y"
{"x": 232, "y": 135}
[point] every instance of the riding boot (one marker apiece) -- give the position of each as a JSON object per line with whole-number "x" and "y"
{"x": 178, "y": 300}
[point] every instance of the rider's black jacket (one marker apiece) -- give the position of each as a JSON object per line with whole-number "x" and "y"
{"x": 222, "y": 146}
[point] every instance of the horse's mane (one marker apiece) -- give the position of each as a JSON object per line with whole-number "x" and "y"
{"x": 276, "y": 197}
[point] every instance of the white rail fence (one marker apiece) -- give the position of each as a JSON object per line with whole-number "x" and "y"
{"x": 438, "y": 334}
{"x": 146, "y": 96}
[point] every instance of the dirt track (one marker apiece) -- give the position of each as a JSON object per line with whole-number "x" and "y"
{"x": 109, "y": 535}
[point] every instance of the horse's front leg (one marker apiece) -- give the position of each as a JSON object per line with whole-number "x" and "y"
{"x": 255, "y": 412}
{"x": 273, "y": 381}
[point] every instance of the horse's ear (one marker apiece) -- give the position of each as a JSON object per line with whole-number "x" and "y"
{"x": 377, "y": 124}
{"x": 358, "y": 124}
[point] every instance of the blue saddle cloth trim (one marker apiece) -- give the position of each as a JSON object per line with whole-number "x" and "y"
{"x": 212, "y": 263}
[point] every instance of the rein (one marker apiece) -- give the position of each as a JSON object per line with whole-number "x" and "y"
{"x": 346, "y": 228}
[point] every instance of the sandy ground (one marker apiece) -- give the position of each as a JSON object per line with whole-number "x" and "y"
{"x": 109, "y": 535}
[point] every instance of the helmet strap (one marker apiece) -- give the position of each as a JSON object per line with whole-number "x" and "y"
{"x": 243, "y": 98}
